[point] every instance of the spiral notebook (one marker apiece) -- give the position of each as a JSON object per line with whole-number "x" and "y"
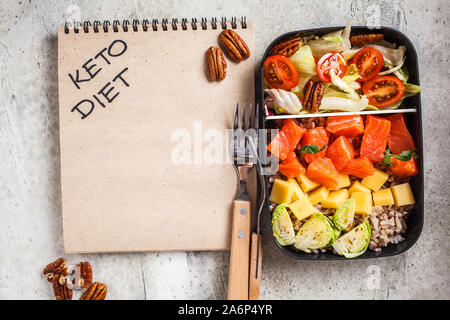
{"x": 140, "y": 126}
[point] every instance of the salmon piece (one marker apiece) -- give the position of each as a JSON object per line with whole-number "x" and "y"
{"x": 291, "y": 167}
{"x": 375, "y": 138}
{"x": 404, "y": 169}
{"x": 340, "y": 152}
{"x": 360, "y": 167}
{"x": 322, "y": 171}
{"x": 349, "y": 126}
{"x": 399, "y": 137}
{"x": 318, "y": 137}
{"x": 287, "y": 139}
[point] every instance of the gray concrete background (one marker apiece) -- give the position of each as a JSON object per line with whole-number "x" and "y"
{"x": 30, "y": 223}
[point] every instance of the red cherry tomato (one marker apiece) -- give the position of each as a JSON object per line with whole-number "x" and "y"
{"x": 384, "y": 91}
{"x": 331, "y": 60}
{"x": 280, "y": 72}
{"x": 369, "y": 62}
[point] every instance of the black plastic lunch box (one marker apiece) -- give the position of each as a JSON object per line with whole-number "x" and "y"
{"x": 415, "y": 219}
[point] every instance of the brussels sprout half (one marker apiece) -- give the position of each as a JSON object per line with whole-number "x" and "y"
{"x": 355, "y": 242}
{"x": 317, "y": 232}
{"x": 282, "y": 227}
{"x": 343, "y": 217}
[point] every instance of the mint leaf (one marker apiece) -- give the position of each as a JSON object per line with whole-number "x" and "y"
{"x": 311, "y": 148}
{"x": 404, "y": 156}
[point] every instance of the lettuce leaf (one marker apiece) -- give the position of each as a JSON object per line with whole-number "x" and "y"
{"x": 287, "y": 101}
{"x": 402, "y": 74}
{"x": 344, "y": 104}
{"x": 344, "y": 86}
{"x": 352, "y": 74}
{"x": 338, "y": 40}
{"x": 303, "y": 79}
{"x": 391, "y": 56}
{"x": 304, "y": 61}
{"x": 411, "y": 90}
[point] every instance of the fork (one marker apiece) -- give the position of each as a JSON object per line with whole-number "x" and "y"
{"x": 243, "y": 160}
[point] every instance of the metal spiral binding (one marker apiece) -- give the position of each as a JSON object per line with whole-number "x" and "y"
{"x": 164, "y": 23}
{"x": 136, "y": 25}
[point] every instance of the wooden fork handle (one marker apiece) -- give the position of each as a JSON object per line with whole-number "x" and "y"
{"x": 255, "y": 267}
{"x": 240, "y": 251}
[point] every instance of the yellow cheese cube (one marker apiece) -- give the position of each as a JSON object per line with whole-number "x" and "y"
{"x": 375, "y": 181}
{"x": 358, "y": 187}
{"x": 343, "y": 181}
{"x": 298, "y": 193}
{"x": 402, "y": 194}
{"x": 282, "y": 192}
{"x": 318, "y": 195}
{"x": 363, "y": 202}
{"x": 335, "y": 199}
{"x": 383, "y": 197}
{"x": 302, "y": 208}
{"x": 306, "y": 183}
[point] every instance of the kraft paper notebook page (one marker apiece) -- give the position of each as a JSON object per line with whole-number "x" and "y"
{"x": 144, "y": 160}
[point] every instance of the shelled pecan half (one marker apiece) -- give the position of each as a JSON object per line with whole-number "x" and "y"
{"x": 313, "y": 95}
{"x": 359, "y": 39}
{"x": 234, "y": 46}
{"x": 96, "y": 291}
{"x": 61, "y": 291}
{"x": 217, "y": 66}
{"x": 288, "y": 47}
{"x": 55, "y": 268}
{"x": 85, "y": 274}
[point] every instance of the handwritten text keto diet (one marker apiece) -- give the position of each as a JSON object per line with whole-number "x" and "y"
{"x": 90, "y": 69}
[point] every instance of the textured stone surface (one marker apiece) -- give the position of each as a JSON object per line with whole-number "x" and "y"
{"x": 30, "y": 218}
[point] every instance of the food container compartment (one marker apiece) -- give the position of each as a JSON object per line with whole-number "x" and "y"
{"x": 414, "y": 122}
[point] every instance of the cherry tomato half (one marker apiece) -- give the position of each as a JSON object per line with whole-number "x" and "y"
{"x": 280, "y": 72}
{"x": 384, "y": 91}
{"x": 331, "y": 60}
{"x": 369, "y": 62}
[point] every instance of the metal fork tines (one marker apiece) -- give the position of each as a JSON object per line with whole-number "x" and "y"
{"x": 242, "y": 155}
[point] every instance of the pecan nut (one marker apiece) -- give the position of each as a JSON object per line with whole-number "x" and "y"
{"x": 55, "y": 268}
{"x": 61, "y": 291}
{"x": 234, "y": 45}
{"x": 217, "y": 66}
{"x": 360, "y": 39}
{"x": 313, "y": 95}
{"x": 288, "y": 47}
{"x": 85, "y": 273}
{"x": 96, "y": 291}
